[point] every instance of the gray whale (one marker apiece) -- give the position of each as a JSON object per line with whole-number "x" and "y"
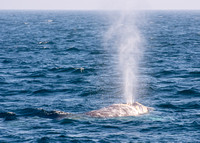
{"x": 120, "y": 110}
{"x": 114, "y": 110}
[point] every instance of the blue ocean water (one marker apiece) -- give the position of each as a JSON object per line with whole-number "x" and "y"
{"x": 57, "y": 60}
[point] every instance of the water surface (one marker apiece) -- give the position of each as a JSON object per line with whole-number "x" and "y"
{"x": 42, "y": 54}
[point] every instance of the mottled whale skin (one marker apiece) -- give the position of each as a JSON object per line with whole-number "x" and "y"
{"x": 114, "y": 110}
{"x": 120, "y": 110}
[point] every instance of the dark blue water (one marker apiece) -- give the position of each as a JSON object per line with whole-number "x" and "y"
{"x": 42, "y": 54}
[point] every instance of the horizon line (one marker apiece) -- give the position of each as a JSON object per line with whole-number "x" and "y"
{"x": 100, "y": 9}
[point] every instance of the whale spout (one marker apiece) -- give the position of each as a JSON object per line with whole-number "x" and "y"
{"x": 120, "y": 110}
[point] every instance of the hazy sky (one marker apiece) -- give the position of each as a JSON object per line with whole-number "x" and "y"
{"x": 99, "y": 4}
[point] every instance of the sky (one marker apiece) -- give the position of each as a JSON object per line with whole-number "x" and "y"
{"x": 100, "y": 4}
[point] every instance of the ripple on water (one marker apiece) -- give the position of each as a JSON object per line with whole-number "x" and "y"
{"x": 188, "y": 92}
{"x": 8, "y": 116}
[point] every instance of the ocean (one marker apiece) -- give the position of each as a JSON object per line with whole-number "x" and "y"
{"x": 60, "y": 61}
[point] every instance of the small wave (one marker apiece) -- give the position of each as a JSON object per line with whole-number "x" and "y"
{"x": 167, "y": 44}
{"x": 181, "y": 107}
{"x": 7, "y": 61}
{"x": 73, "y": 49}
{"x": 70, "y": 40}
{"x": 2, "y": 80}
{"x": 46, "y": 42}
{"x": 168, "y": 106}
{"x": 191, "y": 105}
{"x": 47, "y": 91}
{"x": 96, "y": 52}
{"x": 196, "y": 124}
{"x": 43, "y": 140}
{"x": 40, "y": 91}
{"x": 37, "y": 74}
{"x": 165, "y": 73}
{"x": 8, "y": 116}
{"x": 43, "y": 113}
{"x": 190, "y": 91}
{"x": 89, "y": 92}
{"x": 61, "y": 69}
{"x": 195, "y": 73}
{"x": 77, "y": 81}
{"x": 110, "y": 127}
{"x": 76, "y": 70}
{"x": 155, "y": 128}
{"x": 49, "y": 20}
{"x": 22, "y": 49}
{"x": 68, "y": 121}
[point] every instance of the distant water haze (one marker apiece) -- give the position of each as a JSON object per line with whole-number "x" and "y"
{"x": 99, "y": 4}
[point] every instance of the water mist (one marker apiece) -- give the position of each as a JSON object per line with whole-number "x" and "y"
{"x": 127, "y": 41}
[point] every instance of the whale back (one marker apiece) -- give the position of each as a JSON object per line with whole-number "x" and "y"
{"x": 120, "y": 110}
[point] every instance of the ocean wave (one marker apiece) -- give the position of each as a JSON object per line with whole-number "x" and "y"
{"x": 191, "y": 105}
{"x": 168, "y": 106}
{"x": 43, "y": 113}
{"x": 69, "y": 121}
{"x": 72, "y": 49}
{"x": 46, "y": 42}
{"x": 2, "y": 80}
{"x": 7, "y": 61}
{"x": 44, "y": 140}
{"x": 180, "y": 107}
{"x": 8, "y": 116}
{"x": 189, "y": 92}
{"x": 97, "y": 52}
{"x": 37, "y": 74}
{"x": 44, "y": 91}
{"x": 62, "y": 69}
{"x": 195, "y": 73}
{"x": 89, "y": 92}
{"x": 75, "y": 70}
{"x": 165, "y": 73}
